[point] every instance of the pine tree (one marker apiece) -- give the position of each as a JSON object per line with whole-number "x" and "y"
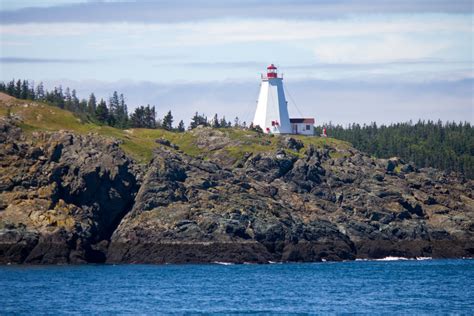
{"x": 92, "y": 104}
{"x": 67, "y": 99}
{"x": 11, "y": 88}
{"x": 151, "y": 117}
{"x": 83, "y": 107}
{"x": 168, "y": 121}
{"x": 215, "y": 121}
{"x": 31, "y": 91}
{"x": 75, "y": 102}
{"x": 122, "y": 113}
{"x": 18, "y": 89}
{"x": 114, "y": 104}
{"x": 223, "y": 122}
{"x": 181, "y": 127}
{"x": 236, "y": 122}
{"x": 102, "y": 112}
{"x": 194, "y": 121}
{"x": 198, "y": 120}
{"x": 59, "y": 97}
{"x": 25, "y": 89}
{"x": 137, "y": 118}
{"x": 40, "y": 91}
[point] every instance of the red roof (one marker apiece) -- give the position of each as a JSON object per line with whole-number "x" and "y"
{"x": 302, "y": 120}
{"x": 272, "y": 66}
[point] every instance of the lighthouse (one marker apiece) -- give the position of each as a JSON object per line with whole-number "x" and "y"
{"x": 272, "y": 109}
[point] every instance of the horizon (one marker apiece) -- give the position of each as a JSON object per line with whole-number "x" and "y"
{"x": 344, "y": 61}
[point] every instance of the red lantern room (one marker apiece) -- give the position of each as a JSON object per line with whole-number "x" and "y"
{"x": 272, "y": 71}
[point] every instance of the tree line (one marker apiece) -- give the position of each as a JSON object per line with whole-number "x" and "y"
{"x": 448, "y": 146}
{"x": 112, "y": 112}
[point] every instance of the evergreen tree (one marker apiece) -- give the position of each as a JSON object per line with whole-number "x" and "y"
{"x": 168, "y": 121}
{"x": 122, "y": 113}
{"x": 114, "y": 104}
{"x": 236, "y": 122}
{"x": 151, "y": 117}
{"x": 181, "y": 127}
{"x": 83, "y": 107}
{"x": 25, "y": 90}
{"x": 215, "y": 121}
{"x": 59, "y": 97}
{"x": 102, "y": 112}
{"x": 11, "y": 88}
{"x": 68, "y": 99}
{"x": 143, "y": 117}
{"x": 18, "y": 89}
{"x": 75, "y": 102}
{"x": 92, "y": 104}
{"x": 31, "y": 91}
{"x": 198, "y": 120}
{"x": 223, "y": 122}
{"x": 137, "y": 118}
{"x": 40, "y": 94}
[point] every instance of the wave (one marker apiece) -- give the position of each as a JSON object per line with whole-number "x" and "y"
{"x": 393, "y": 258}
{"x": 223, "y": 263}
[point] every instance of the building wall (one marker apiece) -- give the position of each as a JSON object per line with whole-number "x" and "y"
{"x": 302, "y": 128}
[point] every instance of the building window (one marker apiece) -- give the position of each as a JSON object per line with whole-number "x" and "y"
{"x": 308, "y": 127}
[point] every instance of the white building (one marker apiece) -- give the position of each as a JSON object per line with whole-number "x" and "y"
{"x": 303, "y": 126}
{"x": 272, "y": 108}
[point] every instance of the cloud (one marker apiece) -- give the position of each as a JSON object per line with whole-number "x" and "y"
{"x": 377, "y": 50}
{"x": 168, "y": 11}
{"x": 224, "y": 31}
{"x": 28, "y": 60}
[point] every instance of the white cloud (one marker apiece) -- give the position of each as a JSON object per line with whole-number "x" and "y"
{"x": 389, "y": 48}
{"x": 357, "y": 40}
{"x": 238, "y": 30}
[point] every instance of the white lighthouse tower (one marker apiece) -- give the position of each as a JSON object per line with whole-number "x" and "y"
{"x": 272, "y": 109}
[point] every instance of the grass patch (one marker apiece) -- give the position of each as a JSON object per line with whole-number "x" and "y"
{"x": 139, "y": 142}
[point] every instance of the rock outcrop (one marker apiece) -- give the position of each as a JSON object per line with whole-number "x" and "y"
{"x": 280, "y": 206}
{"x": 61, "y": 195}
{"x": 66, "y": 198}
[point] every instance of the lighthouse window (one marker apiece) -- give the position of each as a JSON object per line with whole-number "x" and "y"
{"x": 308, "y": 127}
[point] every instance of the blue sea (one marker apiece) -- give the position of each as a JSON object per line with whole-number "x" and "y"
{"x": 401, "y": 287}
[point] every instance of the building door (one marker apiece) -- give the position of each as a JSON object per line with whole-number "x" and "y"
{"x": 295, "y": 128}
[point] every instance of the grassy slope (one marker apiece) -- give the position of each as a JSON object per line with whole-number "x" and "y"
{"x": 138, "y": 142}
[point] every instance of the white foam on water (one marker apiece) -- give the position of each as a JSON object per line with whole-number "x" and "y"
{"x": 390, "y": 258}
{"x": 393, "y": 258}
{"x": 223, "y": 263}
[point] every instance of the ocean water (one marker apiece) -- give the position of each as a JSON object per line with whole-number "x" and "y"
{"x": 401, "y": 287}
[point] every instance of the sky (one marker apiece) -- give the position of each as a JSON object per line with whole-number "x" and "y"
{"x": 343, "y": 61}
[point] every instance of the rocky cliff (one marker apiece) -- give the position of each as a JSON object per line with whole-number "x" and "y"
{"x": 71, "y": 198}
{"x": 61, "y": 195}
